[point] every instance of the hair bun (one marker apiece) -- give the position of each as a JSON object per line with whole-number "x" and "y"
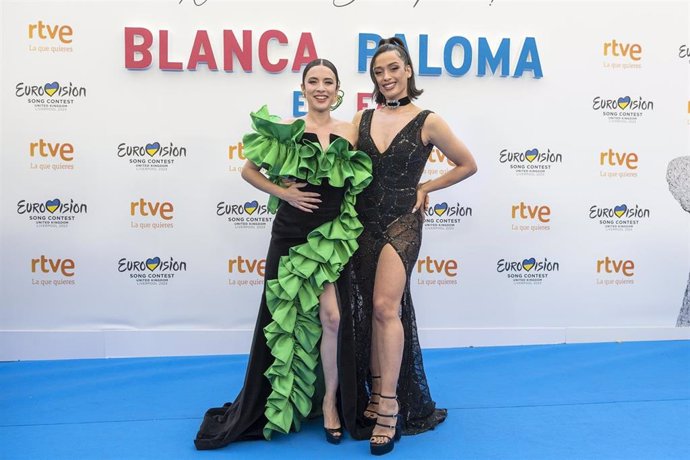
{"x": 392, "y": 41}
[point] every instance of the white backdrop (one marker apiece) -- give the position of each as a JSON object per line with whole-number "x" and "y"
{"x": 67, "y": 289}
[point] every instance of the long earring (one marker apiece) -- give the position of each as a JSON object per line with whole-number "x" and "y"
{"x": 338, "y": 99}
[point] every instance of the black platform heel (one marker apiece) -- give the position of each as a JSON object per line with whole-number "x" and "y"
{"x": 369, "y": 420}
{"x": 385, "y": 447}
{"x": 331, "y": 435}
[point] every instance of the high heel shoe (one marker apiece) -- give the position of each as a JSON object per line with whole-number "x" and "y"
{"x": 371, "y": 419}
{"x": 331, "y": 434}
{"x": 385, "y": 447}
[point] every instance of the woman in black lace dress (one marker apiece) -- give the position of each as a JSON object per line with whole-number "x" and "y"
{"x": 398, "y": 136}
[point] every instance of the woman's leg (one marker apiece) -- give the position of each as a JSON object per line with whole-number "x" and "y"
{"x": 375, "y": 368}
{"x": 330, "y": 320}
{"x": 389, "y": 286}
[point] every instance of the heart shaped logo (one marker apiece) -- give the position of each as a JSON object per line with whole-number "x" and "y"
{"x": 619, "y": 211}
{"x": 152, "y": 264}
{"x": 531, "y": 154}
{"x": 250, "y": 206}
{"x": 623, "y": 102}
{"x": 441, "y": 208}
{"x": 51, "y": 88}
{"x": 152, "y": 149}
{"x": 52, "y": 205}
{"x": 527, "y": 264}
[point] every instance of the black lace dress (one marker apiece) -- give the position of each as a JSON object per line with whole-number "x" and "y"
{"x": 385, "y": 210}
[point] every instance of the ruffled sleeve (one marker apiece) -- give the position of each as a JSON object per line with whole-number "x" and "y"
{"x": 279, "y": 149}
{"x": 275, "y": 147}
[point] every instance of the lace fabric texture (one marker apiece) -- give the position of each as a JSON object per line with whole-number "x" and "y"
{"x": 384, "y": 209}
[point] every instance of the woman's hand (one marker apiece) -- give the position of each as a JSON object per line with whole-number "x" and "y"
{"x": 304, "y": 201}
{"x": 290, "y": 190}
{"x": 422, "y": 198}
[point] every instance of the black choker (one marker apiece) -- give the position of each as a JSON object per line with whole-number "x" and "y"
{"x": 394, "y": 104}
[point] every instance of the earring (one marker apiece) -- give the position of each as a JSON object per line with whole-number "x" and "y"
{"x": 338, "y": 99}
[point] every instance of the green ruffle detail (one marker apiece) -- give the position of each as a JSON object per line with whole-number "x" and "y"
{"x": 293, "y": 298}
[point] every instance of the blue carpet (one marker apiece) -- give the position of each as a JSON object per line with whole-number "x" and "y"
{"x": 586, "y": 401}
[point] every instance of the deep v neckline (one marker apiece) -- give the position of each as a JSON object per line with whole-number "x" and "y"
{"x": 378, "y": 150}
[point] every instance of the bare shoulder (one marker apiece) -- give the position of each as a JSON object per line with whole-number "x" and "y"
{"x": 434, "y": 120}
{"x": 435, "y": 127}
{"x": 357, "y": 118}
{"x": 346, "y": 130}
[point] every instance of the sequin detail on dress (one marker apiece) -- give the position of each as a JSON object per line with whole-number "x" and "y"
{"x": 385, "y": 210}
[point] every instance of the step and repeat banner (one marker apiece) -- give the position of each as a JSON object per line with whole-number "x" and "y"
{"x": 128, "y": 231}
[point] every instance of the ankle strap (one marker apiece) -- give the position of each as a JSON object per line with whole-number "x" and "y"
{"x": 388, "y": 397}
{"x": 385, "y": 426}
{"x": 375, "y": 376}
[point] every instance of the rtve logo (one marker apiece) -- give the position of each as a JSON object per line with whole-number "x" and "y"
{"x": 148, "y": 208}
{"x": 244, "y": 265}
{"x": 48, "y": 32}
{"x": 45, "y": 265}
{"x": 236, "y": 150}
{"x": 611, "y": 158}
{"x": 51, "y": 150}
{"x": 607, "y": 265}
{"x": 524, "y": 212}
{"x": 436, "y": 156}
{"x": 616, "y": 48}
{"x": 447, "y": 267}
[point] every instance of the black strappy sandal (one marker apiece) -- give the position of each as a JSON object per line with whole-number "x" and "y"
{"x": 369, "y": 419}
{"x": 333, "y": 435}
{"x": 385, "y": 447}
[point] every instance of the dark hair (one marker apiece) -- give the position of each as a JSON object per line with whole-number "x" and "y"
{"x": 325, "y": 63}
{"x": 397, "y": 45}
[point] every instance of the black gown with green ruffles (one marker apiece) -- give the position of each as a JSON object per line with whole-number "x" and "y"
{"x": 306, "y": 251}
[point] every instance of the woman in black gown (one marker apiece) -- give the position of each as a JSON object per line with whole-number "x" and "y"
{"x": 398, "y": 137}
{"x": 313, "y": 237}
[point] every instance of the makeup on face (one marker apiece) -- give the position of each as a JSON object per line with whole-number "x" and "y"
{"x": 320, "y": 86}
{"x": 391, "y": 75}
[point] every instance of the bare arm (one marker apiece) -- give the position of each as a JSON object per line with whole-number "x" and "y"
{"x": 437, "y": 131}
{"x": 347, "y": 131}
{"x": 292, "y": 194}
{"x": 356, "y": 120}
